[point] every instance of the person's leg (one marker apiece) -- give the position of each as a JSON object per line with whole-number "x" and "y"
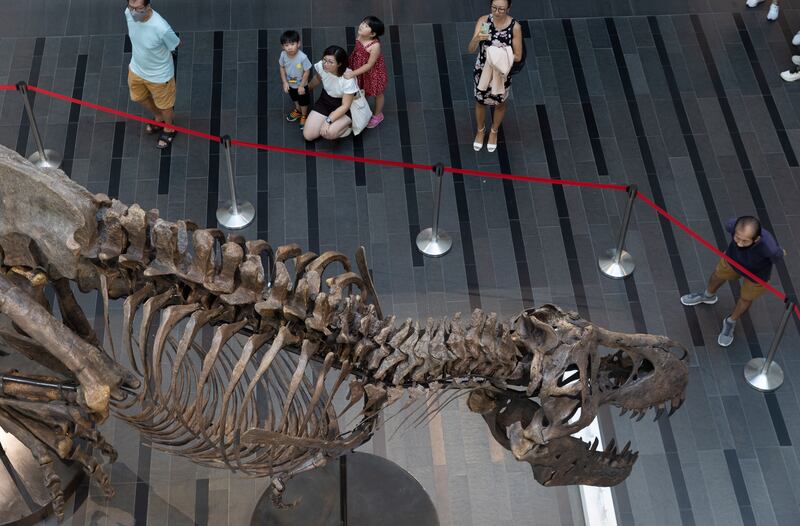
{"x": 497, "y": 120}
{"x": 150, "y": 106}
{"x": 480, "y": 121}
{"x": 722, "y": 273}
{"x": 303, "y": 116}
{"x": 741, "y": 307}
{"x": 749, "y": 293}
{"x": 336, "y": 128}
{"x": 139, "y": 94}
{"x": 313, "y": 128}
{"x": 714, "y": 283}
{"x": 377, "y": 115}
{"x": 168, "y": 114}
{"x": 164, "y": 99}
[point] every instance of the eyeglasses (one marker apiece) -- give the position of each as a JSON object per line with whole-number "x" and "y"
{"x": 499, "y": 9}
{"x": 329, "y": 62}
{"x": 137, "y": 9}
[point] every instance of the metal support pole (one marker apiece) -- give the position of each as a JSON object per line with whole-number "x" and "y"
{"x": 431, "y": 241}
{"x": 233, "y": 214}
{"x": 764, "y": 374}
{"x": 616, "y": 263}
{"x": 41, "y": 157}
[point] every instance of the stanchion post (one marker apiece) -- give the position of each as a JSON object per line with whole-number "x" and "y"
{"x": 763, "y": 374}
{"x": 616, "y": 263}
{"x": 41, "y": 157}
{"x": 432, "y": 241}
{"x": 233, "y": 214}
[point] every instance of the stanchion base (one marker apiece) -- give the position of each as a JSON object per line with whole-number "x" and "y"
{"x": 52, "y": 159}
{"x": 226, "y": 217}
{"x": 614, "y": 269}
{"x": 765, "y": 381}
{"x": 434, "y": 247}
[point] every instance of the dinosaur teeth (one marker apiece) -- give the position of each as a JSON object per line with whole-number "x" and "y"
{"x": 611, "y": 449}
{"x": 594, "y": 445}
{"x": 626, "y": 448}
{"x": 641, "y": 415}
{"x": 676, "y": 403}
{"x": 623, "y": 411}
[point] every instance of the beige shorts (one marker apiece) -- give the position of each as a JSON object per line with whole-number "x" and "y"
{"x": 750, "y": 289}
{"x": 163, "y": 94}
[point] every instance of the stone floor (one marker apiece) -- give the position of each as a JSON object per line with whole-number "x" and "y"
{"x": 680, "y": 97}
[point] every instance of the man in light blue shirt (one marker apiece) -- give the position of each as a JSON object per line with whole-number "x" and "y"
{"x": 151, "y": 74}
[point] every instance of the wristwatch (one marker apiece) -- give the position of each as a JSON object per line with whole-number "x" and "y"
{"x": 328, "y": 120}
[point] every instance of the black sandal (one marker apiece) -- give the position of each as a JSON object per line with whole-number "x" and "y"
{"x": 152, "y": 129}
{"x": 165, "y": 139}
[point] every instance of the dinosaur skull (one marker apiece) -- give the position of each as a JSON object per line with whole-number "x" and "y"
{"x": 569, "y": 380}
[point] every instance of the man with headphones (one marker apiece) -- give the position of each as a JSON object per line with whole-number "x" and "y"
{"x": 755, "y": 249}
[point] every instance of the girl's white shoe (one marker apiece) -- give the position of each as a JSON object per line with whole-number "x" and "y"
{"x": 489, "y": 146}
{"x": 477, "y": 146}
{"x": 773, "y": 12}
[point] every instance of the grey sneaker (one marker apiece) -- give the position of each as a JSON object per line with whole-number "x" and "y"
{"x": 725, "y": 337}
{"x": 696, "y": 298}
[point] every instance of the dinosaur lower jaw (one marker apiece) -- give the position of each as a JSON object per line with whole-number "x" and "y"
{"x": 568, "y": 460}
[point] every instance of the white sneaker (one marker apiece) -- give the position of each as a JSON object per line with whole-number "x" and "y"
{"x": 796, "y": 39}
{"x": 773, "y": 12}
{"x": 791, "y": 75}
{"x": 796, "y": 60}
{"x": 753, "y": 3}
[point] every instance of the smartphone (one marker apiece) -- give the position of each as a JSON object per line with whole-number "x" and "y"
{"x": 485, "y": 28}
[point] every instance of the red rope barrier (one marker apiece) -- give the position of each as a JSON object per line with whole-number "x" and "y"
{"x": 399, "y": 164}
{"x": 118, "y": 113}
{"x": 339, "y": 157}
{"x": 530, "y": 179}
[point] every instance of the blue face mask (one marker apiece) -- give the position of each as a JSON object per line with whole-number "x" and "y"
{"x": 139, "y": 17}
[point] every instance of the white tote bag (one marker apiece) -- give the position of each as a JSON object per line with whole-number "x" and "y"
{"x": 360, "y": 112}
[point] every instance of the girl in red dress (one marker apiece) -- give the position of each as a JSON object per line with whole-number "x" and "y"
{"x": 366, "y": 63}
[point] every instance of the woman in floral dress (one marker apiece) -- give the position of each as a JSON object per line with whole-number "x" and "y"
{"x": 495, "y": 29}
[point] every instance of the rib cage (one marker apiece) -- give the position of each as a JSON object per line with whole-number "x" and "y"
{"x": 205, "y": 383}
{"x": 205, "y": 386}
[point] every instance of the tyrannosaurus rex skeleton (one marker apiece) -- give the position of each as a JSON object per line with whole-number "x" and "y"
{"x": 232, "y": 353}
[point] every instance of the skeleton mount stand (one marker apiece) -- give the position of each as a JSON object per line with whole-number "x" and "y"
{"x": 355, "y": 489}
{"x": 24, "y": 499}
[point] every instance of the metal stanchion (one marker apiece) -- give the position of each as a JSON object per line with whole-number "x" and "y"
{"x": 431, "y": 241}
{"x": 41, "y": 157}
{"x": 233, "y": 214}
{"x": 764, "y": 374}
{"x": 616, "y": 263}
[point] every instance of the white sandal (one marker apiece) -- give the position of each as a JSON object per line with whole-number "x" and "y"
{"x": 489, "y": 146}
{"x": 477, "y": 146}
